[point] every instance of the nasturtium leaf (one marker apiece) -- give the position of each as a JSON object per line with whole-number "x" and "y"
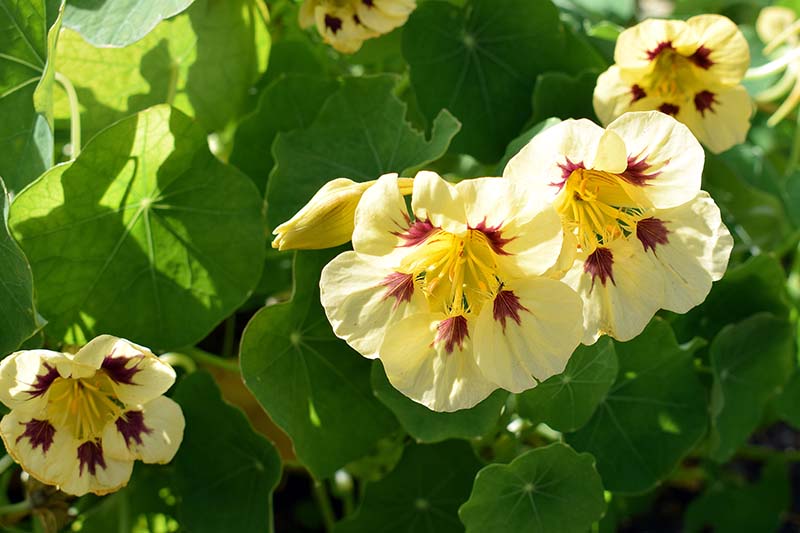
{"x": 546, "y": 489}
{"x": 788, "y": 403}
{"x": 519, "y": 142}
{"x": 421, "y": 494}
{"x": 26, "y": 85}
{"x": 727, "y": 508}
{"x": 751, "y": 361}
{"x": 204, "y": 62}
{"x": 653, "y": 415}
{"x": 360, "y": 133}
{"x": 312, "y": 385}
{"x": 145, "y": 235}
{"x": 18, "y": 317}
{"x": 429, "y": 426}
{"x": 560, "y": 95}
{"x": 566, "y": 401}
{"x": 480, "y": 62}
{"x": 225, "y": 472}
{"x": 757, "y": 285}
{"x": 291, "y": 102}
{"x": 118, "y": 23}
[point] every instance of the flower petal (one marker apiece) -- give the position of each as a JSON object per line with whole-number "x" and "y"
{"x": 729, "y": 51}
{"x": 668, "y": 149}
{"x": 613, "y": 94}
{"x": 725, "y": 123}
{"x": 45, "y": 452}
{"x": 438, "y": 201}
{"x": 358, "y": 303}
{"x": 380, "y": 215}
{"x": 94, "y": 470}
{"x": 26, "y": 376}
{"x": 422, "y": 369}
{"x": 636, "y": 44}
{"x": 611, "y": 153}
{"x": 136, "y": 374}
{"x": 534, "y": 342}
{"x": 152, "y": 433}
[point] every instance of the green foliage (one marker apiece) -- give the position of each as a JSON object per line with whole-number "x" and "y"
{"x": 546, "y": 489}
{"x": 168, "y": 239}
{"x": 561, "y": 95}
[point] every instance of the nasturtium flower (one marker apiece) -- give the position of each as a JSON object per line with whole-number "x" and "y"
{"x": 451, "y": 296}
{"x": 778, "y": 28}
{"x": 346, "y": 24}
{"x": 327, "y": 219}
{"x": 691, "y": 70}
{"x": 644, "y": 234}
{"x": 79, "y": 421}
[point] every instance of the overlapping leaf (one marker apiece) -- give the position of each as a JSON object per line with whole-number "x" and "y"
{"x": 145, "y": 235}
{"x": 312, "y": 384}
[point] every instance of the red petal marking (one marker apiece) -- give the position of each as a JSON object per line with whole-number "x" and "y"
{"x": 333, "y": 23}
{"x": 43, "y": 381}
{"x": 399, "y": 285}
{"x": 663, "y": 45}
{"x": 90, "y": 455}
{"x": 368, "y": 3}
{"x": 495, "y": 236}
{"x": 599, "y": 263}
{"x": 637, "y": 93}
{"x": 636, "y": 173}
{"x": 117, "y": 369}
{"x": 131, "y": 427}
{"x": 452, "y": 331}
{"x": 567, "y": 169}
{"x": 651, "y": 232}
{"x": 506, "y": 305}
{"x": 704, "y": 100}
{"x": 669, "y": 109}
{"x": 700, "y": 58}
{"x": 39, "y": 432}
{"x": 416, "y": 233}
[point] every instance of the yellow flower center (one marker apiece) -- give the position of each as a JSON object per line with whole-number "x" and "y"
{"x": 457, "y": 273}
{"x": 83, "y": 405}
{"x": 597, "y": 208}
{"x": 673, "y": 76}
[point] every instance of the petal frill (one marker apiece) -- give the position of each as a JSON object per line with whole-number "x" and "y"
{"x": 516, "y": 355}
{"x": 381, "y": 216}
{"x": 622, "y": 307}
{"x": 613, "y": 94}
{"x": 422, "y": 369}
{"x": 93, "y": 476}
{"x": 438, "y": 201}
{"x": 376, "y": 19}
{"x": 90, "y": 358}
{"x": 635, "y": 43}
{"x": 360, "y": 304}
{"x": 152, "y": 433}
{"x": 25, "y": 377}
{"x": 136, "y": 374}
{"x": 396, "y": 8}
{"x": 729, "y": 52}
{"x": 536, "y": 246}
{"x": 725, "y": 123}
{"x": 547, "y": 160}
{"x": 666, "y": 157}
{"x": 696, "y": 252}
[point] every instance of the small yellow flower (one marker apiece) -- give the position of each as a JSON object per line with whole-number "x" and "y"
{"x": 452, "y": 300}
{"x": 79, "y": 421}
{"x": 326, "y": 220}
{"x": 646, "y": 236}
{"x": 691, "y": 70}
{"x": 346, "y": 24}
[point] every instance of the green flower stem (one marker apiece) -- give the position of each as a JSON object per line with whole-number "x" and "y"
{"x": 5, "y": 463}
{"x": 324, "y": 504}
{"x": 763, "y": 453}
{"x": 229, "y": 336}
{"x": 794, "y": 156}
{"x": 179, "y": 359}
{"x": 74, "y": 114}
{"x": 15, "y": 508}
{"x": 202, "y": 356}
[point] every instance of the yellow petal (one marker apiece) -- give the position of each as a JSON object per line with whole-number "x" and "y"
{"x": 613, "y": 94}
{"x": 152, "y": 433}
{"x": 729, "y": 51}
{"x": 380, "y": 214}
{"x": 136, "y": 374}
{"x": 725, "y": 123}
{"x": 25, "y": 377}
{"x": 438, "y": 201}
{"x": 633, "y": 44}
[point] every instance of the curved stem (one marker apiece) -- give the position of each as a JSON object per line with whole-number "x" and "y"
{"x": 74, "y": 114}
{"x": 179, "y": 359}
{"x": 15, "y": 508}
{"x": 324, "y": 504}
{"x": 762, "y": 71}
{"x": 202, "y": 356}
{"x": 5, "y": 463}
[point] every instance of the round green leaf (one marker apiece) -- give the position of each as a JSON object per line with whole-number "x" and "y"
{"x": 145, "y": 235}
{"x": 751, "y": 361}
{"x": 118, "y": 23}
{"x": 566, "y": 402}
{"x": 546, "y": 489}
{"x": 653, "y": 415}
{"x": 312, "y": 385}
{"x": 789, "y": 401}
{"x": 421, "y": 494}
{"x": 429, "y": 426}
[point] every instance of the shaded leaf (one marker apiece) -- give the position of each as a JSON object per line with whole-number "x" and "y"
{"x": 312, "y": 384}
{"x": 145, "y": 235}
{"x": 561, "y": 95}
{"x": 566, "y": 401}
{"x": 789, "y": 401}
{"x": 653, "y": 415}
{"x": 546, "y": 489}
{"x": 519, "y": 142}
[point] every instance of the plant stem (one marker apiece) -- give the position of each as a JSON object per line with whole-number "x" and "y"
{"x": 74, "y": 114}
{"x": 6, "y": 462}
{"x": 324, "y": 504}
{"x": 751, "y": 451}
{"x": 202, "y": 356}
{"x": 229, "y": 336}
{"x": 794, "y": 156}
{"x": 15, "y": 508}
{"x": 179, "y": 359}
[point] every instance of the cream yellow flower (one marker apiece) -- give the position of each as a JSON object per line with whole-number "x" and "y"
{"x": 326, "y": 220}
{"x": 452, "y": 300}
{"x": 79, "y": 421}
{"x": 646, "y": 236}
{"x": 346, "y": 24}
{"x": 691, "y": 70}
